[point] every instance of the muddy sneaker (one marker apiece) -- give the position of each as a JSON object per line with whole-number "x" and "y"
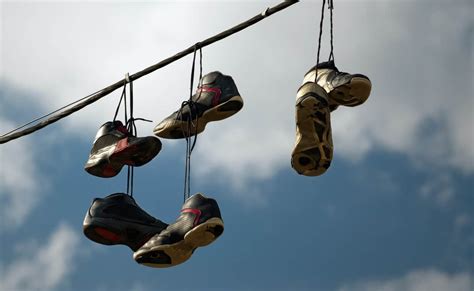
{"x": 216, "y": 98}
{"x": 199, "y": 224}
{"x": 342, "y": 88}
{"x": 117, "y": 219}
{"x": 313, "y": 150}
{"x": 115, "y": 147}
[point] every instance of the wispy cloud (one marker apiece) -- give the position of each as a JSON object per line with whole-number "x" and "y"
{"x": 407, "y": 111}
{"x": 19, "y": 181}
{"x": 44, "y": 267}
{"x": 420, "y": 280}
{"x": 439, "y": 189}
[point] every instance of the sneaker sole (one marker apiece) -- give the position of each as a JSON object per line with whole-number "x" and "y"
{"x": 177, "y": 253}
{"x": 312, "y": 154}
{"x": 352, "y": 94}
{"x": 136, "y": 153}
{"x": 100, "y": 230}
{"x": 178, "y": 128}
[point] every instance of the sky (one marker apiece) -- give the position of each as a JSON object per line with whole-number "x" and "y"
{"x": 393, "y": 212}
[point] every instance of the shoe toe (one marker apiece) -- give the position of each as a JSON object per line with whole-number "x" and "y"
{"x": 152, "y": 258}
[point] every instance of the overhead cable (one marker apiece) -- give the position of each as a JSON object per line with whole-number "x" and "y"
{"x": 85, "y": 101}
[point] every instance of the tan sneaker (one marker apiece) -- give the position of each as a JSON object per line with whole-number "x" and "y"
{"x": 313, "y": 150}
{"x": 342, "y": 88}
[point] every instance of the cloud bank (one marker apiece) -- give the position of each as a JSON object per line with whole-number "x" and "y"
{"x": 417, "y": 58}
{"x": 20, "y": 181}
{"x": 43, "y": 267}
{"x": 419, "y": 280}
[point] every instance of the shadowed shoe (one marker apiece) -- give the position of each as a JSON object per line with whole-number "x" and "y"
{"x": 342, "y": 88}
{"x": 117, "y": 219}
{"x": 216, "y": 98}
{"x": 313, "y": 150}
{"x": 199, "y": 224}
{"x": 115, "y": 147}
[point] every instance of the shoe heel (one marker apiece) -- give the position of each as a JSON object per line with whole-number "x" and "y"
{"x": 313, "y": 150}
{"x": 224, "y": 110}
{"x": 353, "y": 94}
{"x": 205, "y": 233}
{"x": 137, "y": 153}
{"x": 145, "y": 151}
{"x": 102, "y": 234}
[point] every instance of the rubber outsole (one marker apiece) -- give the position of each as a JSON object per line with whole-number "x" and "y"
{"x": 352, "y": 94}
{"x": 164, "y": 256}
{"x": 313, "y": 151}
{"x": 136, "y": 153}
{"x": 134, "y": 235}
{"x": 175, "y": 129}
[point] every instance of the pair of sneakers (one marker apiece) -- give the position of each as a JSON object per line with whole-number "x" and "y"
{"x": 324, "y": 89}
{"x": 114, "y": 146}
{"x": 117, "y": 218}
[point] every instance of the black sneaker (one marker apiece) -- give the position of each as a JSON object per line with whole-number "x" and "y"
{"x": 343, "y": 88}
{"x": 199, "y": 224}
{"x": 313, "y": 150}
{"x": 117, "y": 219}
{"x": 216, "y": 98}
{"x": 115, "y": 147}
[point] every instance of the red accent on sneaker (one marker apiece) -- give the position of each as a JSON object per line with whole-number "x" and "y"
{"x": 217, "y": 94}
{"x": 109, "y": 171}
{"x": 196, "y": 212}
{"x": 107, "y": 234}
{"x": 121, "y": 145}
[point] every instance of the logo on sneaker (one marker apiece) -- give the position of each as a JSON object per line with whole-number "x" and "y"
{"x": 217, "y": 94}
{"x": 196, "y": 212}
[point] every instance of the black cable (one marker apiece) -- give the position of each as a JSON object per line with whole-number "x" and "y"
{"x": 14, "y": 134}
{"x": 44, "y": 116}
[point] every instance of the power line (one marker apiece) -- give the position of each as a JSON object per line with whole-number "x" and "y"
{"x": 14, "y": 134}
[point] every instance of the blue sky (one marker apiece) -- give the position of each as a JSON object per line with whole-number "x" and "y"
{"x": 394, "y": 211}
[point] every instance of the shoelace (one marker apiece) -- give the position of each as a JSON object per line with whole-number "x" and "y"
{"x": 130, "y": 126}
{"x": 190, "y": 126}
{"x": 331, "y": 54}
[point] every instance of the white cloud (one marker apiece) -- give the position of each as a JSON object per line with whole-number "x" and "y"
{"x": 440, "y": 189}
{"x": 420, "y": 280}
{"x": 45, "y": 267}
{"x": 417, "y": 58}
{"x": 20, "y": 181}
{"x": 421, "y": 104}
{"x": 461, "y": 221}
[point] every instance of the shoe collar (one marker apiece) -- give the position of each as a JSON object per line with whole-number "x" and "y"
{"x": 324, "y": 65}
{"x": 112, "y": 127}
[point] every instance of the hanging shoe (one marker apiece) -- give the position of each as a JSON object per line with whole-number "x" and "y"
{"x": 199, "y": 224}
{"x": 117, "y": 219}
{"x": 216, "y": 98}
{"x": 115, "y": 147}
{"x": 313, "y": 150}
{"x": 343, "y": 88}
